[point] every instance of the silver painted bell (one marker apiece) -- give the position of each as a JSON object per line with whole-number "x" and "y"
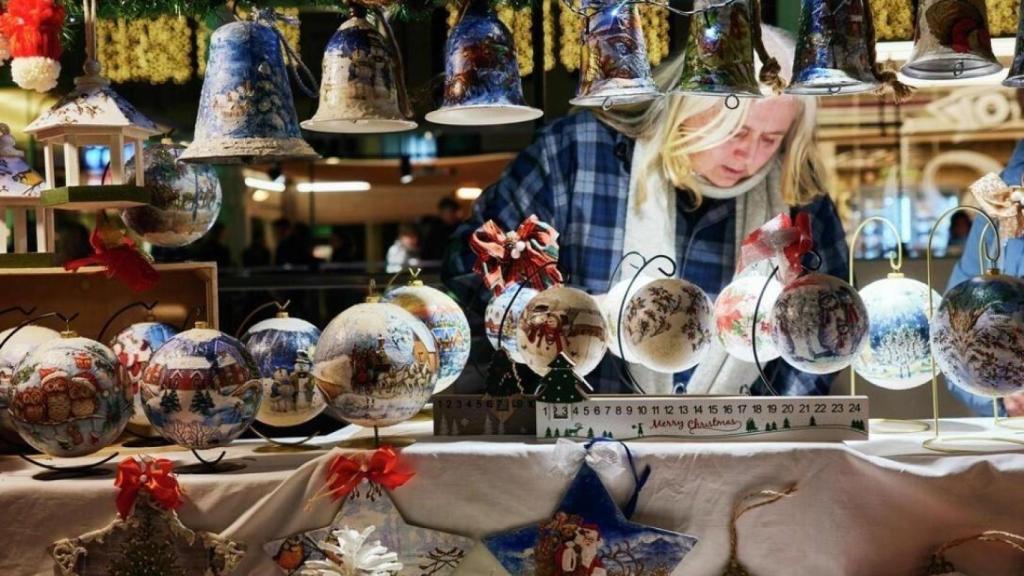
{"x": 951, "y": 41}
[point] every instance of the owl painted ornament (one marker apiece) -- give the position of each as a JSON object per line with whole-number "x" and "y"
{"x": 977, "y": 335}
{"x": 68, "y": 398}
{"x": 897, "y": 355}
{"x": 446, "y": 321}
{"x": 734, "y": 317}
{"x": 134, "y": 346}
{"x": 611, "y": 304}
{"x": 186, "y": 198}
{"x": 201, "y": 389}
{"x": 13, "y": 352}
{"x": 667, "y": 325}
{"x": 496, "y": 311}
{"x": 283, "y": 349}
{"x": 819, "y": 324}
{"x": 562, "y": 319}
{"x": 376, "y": 364}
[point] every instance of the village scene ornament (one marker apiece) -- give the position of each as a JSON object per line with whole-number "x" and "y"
{"x": 446, "y": 321}
{"x": 18, "y": 346}
{"x": 283, "y": 348}
{"x": 819, "y": 324}
{"x": 562, "y": 320}
{"x": 589, "y": 535}
{"x": 369, "y": 512}
{"x": 68, "y": 398}
{"x": 186, "y": 198}
{"x": 202, "y": 388}
{"x": 376, "y": 364}
{"x": 897, "y": 355}
{"x": 667, "y": 325}
{"x": 977, "y": 335}
{"x": 734, "y": 317}
{"x": 495, "y": 312}
{"x": 134, "y": 346}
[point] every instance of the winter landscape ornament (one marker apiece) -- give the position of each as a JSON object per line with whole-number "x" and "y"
{"x": 589, "y": 535}
{"x": 562, "y": 319}
{"x": 495, "y": 312}
{"x": 201, "y": 389}
{"x": 68, "y": 398}
{"x": 446, "y": 321}
{"x": 18, "y": 346}
{"x": 734, "y": 317}
{"x": 376, "y": 364}
{"x": 667, "y": 325}
{"x": 283, "y": 349}
{"x": 897, "y": 354}
{"x": 185, "y": 202}
{"x": 819, "y": 324}
{"x": 977, "y": 335}
{"x": 134, "y": 346}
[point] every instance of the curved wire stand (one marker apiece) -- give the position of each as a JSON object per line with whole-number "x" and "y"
{"x": 204, "y": 466}
{"x": 883, "y": 425}
{"x": 948, "y": 444}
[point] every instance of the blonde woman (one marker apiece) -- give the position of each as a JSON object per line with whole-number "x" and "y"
{"x": 686, "y": 177}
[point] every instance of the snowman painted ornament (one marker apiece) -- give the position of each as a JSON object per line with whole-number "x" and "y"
{"x": 667, "y": 325}
{"x": 897, "y": 355}
{"x": 562, "y": 320}
{"x": 446, "y": 321}
{"x": 68, "y": 398}
{"x": 17, "y": 347}
{"x": 495, "y": 313}
{"x": 734, "y": 317}
{"x": 376, "y": 364}
{"x": 202, "y": 388}
{"x": 819, "y": 324}
{"x": 134, "y": 346}
{"x": 283, "y": 349}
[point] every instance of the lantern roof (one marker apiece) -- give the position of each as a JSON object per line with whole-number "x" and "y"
{"x": 19, "y": 183}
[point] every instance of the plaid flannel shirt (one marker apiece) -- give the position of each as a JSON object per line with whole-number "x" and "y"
{"x": 575, "y": 176}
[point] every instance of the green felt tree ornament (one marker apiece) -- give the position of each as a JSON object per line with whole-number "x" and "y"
{"x": 562, "y": 385}
{"x": 502, "y": 377}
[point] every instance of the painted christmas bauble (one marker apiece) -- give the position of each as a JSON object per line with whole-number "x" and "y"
{"x": 376, "y": 364}
{"x": 819, "y": 324}
{"x": 496, "y": 311}
{"x": 185, "y": 203}
{"x": 68, "y": 398}
{"x": 283, "y": 349}
{"x": 13, "y": 352}
{"x": 977, "y": 335}
{"x": 562, "y": 319}
{"x": 611, "y": 303}
{"x": 134, "y": 346}
{"x": 897, "y": 355}
{"x": 734, "y": 317}
{"x": 201, "y": 389}
{"x": 667, "y": 325}
{"x": 446, "y": 321}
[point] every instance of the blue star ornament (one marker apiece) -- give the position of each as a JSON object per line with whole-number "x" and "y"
{"x": 589, "y": 536}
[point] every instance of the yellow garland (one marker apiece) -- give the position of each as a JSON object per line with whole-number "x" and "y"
{"x": 202, "y": 45}
{"x": 569, "y": 43}
{"x": 1002, "y": 17}
{"x": 154, "y": 50}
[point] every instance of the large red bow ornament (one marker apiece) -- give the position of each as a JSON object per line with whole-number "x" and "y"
{"x": 525, "y": 255}
{"x": 116, "y": 252}
{"x": 346, "y": 472}
{"x": 154, "y": 476}
{"x": 781, "y": 238}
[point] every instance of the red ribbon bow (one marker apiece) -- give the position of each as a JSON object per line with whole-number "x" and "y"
{"x": 346, "y": 472}
{"x": 524, "y": 255}
{"x": 154, "y": 476}
{"x": 116, "y": 252}
{"x": 782, "y": 238}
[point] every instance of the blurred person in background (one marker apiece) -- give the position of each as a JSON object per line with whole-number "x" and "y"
{"x": 437, "y": 230}
{"x": 404, "y": 252}
{"x": 256, "y": 254}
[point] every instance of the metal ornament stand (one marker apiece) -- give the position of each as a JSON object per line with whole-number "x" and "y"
{"x": 883, "y": 425}
{"x": 949, "y": 444}
{"x": 215, "y": 466}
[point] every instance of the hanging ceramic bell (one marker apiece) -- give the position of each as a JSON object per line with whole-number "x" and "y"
{"x": 482, "y": 84}
{"x": 835, "y": 50}
{"x": 246, "y": 112}
{"x": 1015, "y": 79}
{"x": 720, "y": 51}
{"x": 951, "y": 41}
{"x": 614, "y": 70}
{"x": 362, "y": 90}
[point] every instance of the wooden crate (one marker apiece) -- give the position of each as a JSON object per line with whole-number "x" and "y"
{"x": 182, "y": 288}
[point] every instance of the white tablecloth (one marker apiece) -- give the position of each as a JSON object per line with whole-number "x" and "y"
{"x": 875, "y": 508}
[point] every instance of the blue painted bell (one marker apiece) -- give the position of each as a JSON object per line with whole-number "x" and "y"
{"x": 835, "y": 50}
{"x": 482, "y": 84}
{"x": 614, "y": 70}
{"x": 720, "y": 51}
{"x": 362, "y": 90}
{"x": 951, "y": 41}
{"x": 246, "y": 112}
{"x": 1015, "y": 79}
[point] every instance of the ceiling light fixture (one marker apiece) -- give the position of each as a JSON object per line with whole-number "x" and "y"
{"x": 340, "y": 186}
{"x": 276, "y": 185}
